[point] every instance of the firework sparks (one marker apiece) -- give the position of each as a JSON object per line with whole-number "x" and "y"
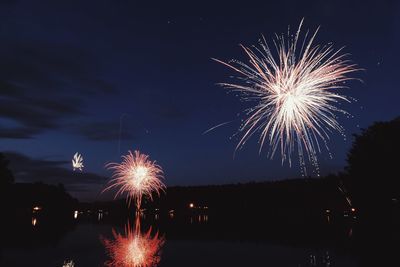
{"x": 136, "y": 175}
{"x": 77, "y": 162}
{"x": 134, "y": 249}
{"x": 343, "y": 190}
{"x": 69, "y": 263}
{"x": 295, "y": 91}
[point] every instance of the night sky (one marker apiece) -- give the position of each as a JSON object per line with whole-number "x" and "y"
{"x": 71, "y": 71}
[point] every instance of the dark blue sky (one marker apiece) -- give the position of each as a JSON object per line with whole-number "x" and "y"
{"x": 70, "y": 69}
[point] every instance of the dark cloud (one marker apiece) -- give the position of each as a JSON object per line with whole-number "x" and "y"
{"x": 18, "y": 132}
{"x": 10, "y": 90}
{"x": 29, "y": 170}
{"x": 49, "y": 66}
{"x": 39, "y": 113}
{"x": 32, "y": 115}
{"x": 42, "y": 85}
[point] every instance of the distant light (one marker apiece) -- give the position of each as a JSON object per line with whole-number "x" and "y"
{"x": 191, "y": 205}
{"x": 37, "y": 208}
{"x": 328, "y": 211}
{"x": 353, "y": 209}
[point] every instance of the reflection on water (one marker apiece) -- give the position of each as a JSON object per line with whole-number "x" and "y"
{"x": 100, "y": 215}
{"x": 193, "y": 240}
{"x": 134, "y": 248}
{"x": 201, "y": 218}
{"x": 171, "y": 214}
{"x": 34, "y": 221}
{"x": 350, "y": 233}
{"x": 319, "y": 260}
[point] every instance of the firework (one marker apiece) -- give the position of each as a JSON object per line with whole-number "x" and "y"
{"x": 134, "y": 249}
{"x": 77, "y": 162}
{"x": 69, "y": 263}
{"x": 136, "y": 175}
{"x": 343, "y": 190}
{"x": 295, "y": 92}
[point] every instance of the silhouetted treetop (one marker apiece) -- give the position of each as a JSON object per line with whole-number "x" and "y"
{"x": 6, "y": 176}
{"x": 373, "y": 164}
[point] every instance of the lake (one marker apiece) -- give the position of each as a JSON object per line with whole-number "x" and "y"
{"x": 168, "y": 240}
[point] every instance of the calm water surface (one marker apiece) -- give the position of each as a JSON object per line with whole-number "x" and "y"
{"x": 187, "y": 241}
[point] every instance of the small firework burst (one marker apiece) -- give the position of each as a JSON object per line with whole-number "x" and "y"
{"x": 134, "y": 249}
{"x": 295, "y": 94}
{"x": 77, "y": 162}
{"x": 136, "y": 175}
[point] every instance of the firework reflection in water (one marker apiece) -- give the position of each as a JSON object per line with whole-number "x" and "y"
{"x": 134, "y": 248}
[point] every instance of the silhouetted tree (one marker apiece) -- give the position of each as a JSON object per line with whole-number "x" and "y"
{"x": 6, "y": 176}
{"x": 373, "y": 166}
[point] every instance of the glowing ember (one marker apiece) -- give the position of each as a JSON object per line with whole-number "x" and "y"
{"x": 134, "y": 249}
{"x": 77, "y": 162}
{"x": 136, "y": 175}
{"x": 295, "y": 96}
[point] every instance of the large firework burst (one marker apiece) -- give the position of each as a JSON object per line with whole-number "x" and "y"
{"x": 295, "y": 91}
{"x": 136, "y": 175}
{"x": 134, "y": 249}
